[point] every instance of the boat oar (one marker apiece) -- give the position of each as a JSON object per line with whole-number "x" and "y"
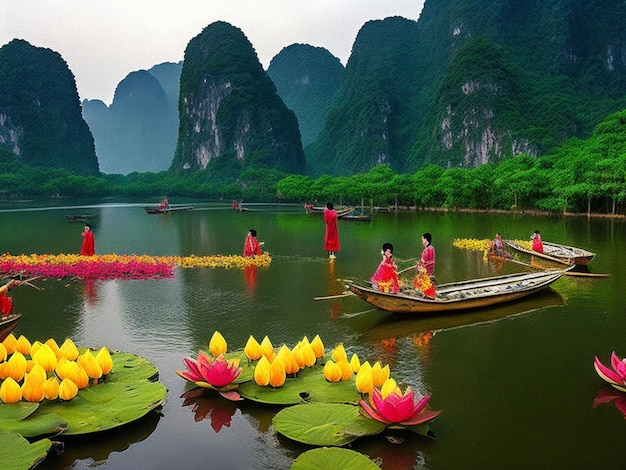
{"x": 338, "y": 296}
{"x": 406, "y": 269}
{"x": 578, "y": 273}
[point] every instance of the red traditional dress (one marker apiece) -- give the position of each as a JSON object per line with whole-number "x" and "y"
{"x": 89, "y": 244}
{"x": 251, "y": 246}
{"x": 537, "y": 243}
{"x": 427, "y": 260}
{"x": 331, "y": 237}
{"x": 386, "y": 276}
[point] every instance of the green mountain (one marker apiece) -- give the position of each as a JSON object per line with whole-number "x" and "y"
{"x": 40, "y": 114}
{"x": 307, "y": 79}
{"x": 231, "y": 117}
{"x": 474, "y": 81}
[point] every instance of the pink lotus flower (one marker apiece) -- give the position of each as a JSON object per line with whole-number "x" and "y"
{"x": 397, "y": 410}
{"x": 218, "y": 374}
{"x": 615, "y": 377}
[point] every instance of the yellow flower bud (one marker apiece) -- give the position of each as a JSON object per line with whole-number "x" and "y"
{"x": 51, "y": 386}
{"x": 217, "y": 345}
{"x": 289, "y": 361}
{"x": 39, "y": 372}
{"x": 332, "y": 372}
{"x": 45, "y": 357}
{"x": 17, "y": 366}
{"x": 68, "y": 350}
{"x": 23, "y": 345}
{"x": 4, "y": 370}
{"x": 3, "y": 352}
{"x": 10, "y": 391}
{"x": 355, "y": 363}
{"x": 308, "y": 355}
{"x": 104, "y": 359}
{"x": 10, "y": 343}
{"x": 262, "y": 372}
{"x": 339, "y": 353}
{"x": 277, "y": 373}
{"x": 388, "y": 387}
{"x": 252, "y": 349}
{"x": 266, "y": 347}
{"x": 52, "y": 344}
{"x": 317, "y": 346}
{"x": 89, "y": 364}
{"x": 67, "y": 390}
{"x": 346, "y": 370}
{"x": 32, "y": 388}
{"x": 379, "y": 374}
{"x": 364, "y": 381}
{"x": 35, "y": 347}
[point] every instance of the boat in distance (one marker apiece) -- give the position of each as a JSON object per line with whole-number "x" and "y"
{"x": 8, "y": 323}
{"x": 563, "y": 254}
{"x": 460, "y": 295}
{"x": 156, "y": 210}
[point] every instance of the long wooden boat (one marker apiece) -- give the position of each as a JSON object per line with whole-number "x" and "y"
{"x": 156, "y": 210}
{"x": 563, "y": 254}
{"x": 459, "y": 295}
{"x": 341, "y": 212}
{"x": 8, "y": 323}
{"x": 77, "y": 218}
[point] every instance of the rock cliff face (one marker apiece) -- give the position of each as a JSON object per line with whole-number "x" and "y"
{"x": 138, "y": 131}
{"x": 231, "y": 116}
{"x": 40, "y": 115}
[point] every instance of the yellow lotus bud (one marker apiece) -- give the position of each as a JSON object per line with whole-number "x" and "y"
{"x": 332, "y": 372}
{"x": 262, "y": 372}
{"x": 252, "y": 349}
{"x": 32, "y": 388}
{"x": 379, "y": 374}
{"x": 39, "y": 372}
{"x": 4, "y": 370}
{"x": 3, "y": 353}
{"x": 10, "y": 343}
{"x": 104, "y": 359}
{"x": 339, "y": 353}
{"x": 289, "y": 361}
{"x": 355, "y": 363}
{"x": 317, "y": 346}
{"x": 308, "y": 355}
{"x": 10, "y": 391}
{"x": 217, "y": 345}
{"x": 364, "y": 381}
{"x": 277, "y": 373}
{"x": 298, "y": 356}
{"x": 68, "y": 350}
{"x": 67, "y": 390}
{"x": 45, "y": 357}
{"x": 23, "y": 345}
{"x": 388, "y": 387}
{"x": 17, "y": 366}
{"x": 35, "y": 347}
{"x": 52, "y": 344}
{"x": 266, "y": 347}
{"x": 51, "y": 386}
{"x": 89, "y": 364}
{"x": 72, "y": 371}
{"x": 346, "y": 370}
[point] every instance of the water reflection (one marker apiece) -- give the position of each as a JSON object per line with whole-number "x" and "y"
{"x": 250, "y": 275}
{"x": 207, "y": 405}
{"x": 610, "y": 395}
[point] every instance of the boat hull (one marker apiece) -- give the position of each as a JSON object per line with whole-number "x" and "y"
{"x": 155, "y": 210}
{"x": 563, "y": 254}
{"x": 461, "y": 295}
{"x": 7, "y": 324}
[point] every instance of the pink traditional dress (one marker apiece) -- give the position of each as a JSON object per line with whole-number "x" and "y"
{"x": 386, "y": 276}
{"x": 331, "y": 237}
{"x": 537, "y": 242}
{"x": 427, "y": 260}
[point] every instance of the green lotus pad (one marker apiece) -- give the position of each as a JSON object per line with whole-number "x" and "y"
{"x": 309, "y": 385}
{"x": 324, "y": 424}
{"x": 333, "y": 457}
{"x": 16, "y": 453}
{"x": 21, "y": 418}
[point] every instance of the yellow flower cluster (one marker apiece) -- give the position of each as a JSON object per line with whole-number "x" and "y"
{"x": 218, "y": 261}
{"x": 472, "y": 244}
{"x": 528, "y": 244}
{"x": 47, "y": 371}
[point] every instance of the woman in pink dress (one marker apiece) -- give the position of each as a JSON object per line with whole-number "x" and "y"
{"x": 251, "y": 247}
{"x": 331, "y": 236}
{"x": 385, "y": 279}
{"x": 537, "y": 242}
{"x": 89, "y": 244}
{"x": 427, "y": 260}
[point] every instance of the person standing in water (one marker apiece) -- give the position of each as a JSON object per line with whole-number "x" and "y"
{"x": 89, "y": 244}
{"x": 331, "y": 236}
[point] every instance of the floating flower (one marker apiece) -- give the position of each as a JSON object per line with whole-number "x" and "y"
{"x": 289, "y": 361}
{"x": 397, "y": 409}
{"x": 266, "y": 348}
{"x": 10, "y": 391}
{"x": 3, "y": 352}
{"x": 262, "y": 372}
{"x": 317, "y": 346}
{"x": 45, "y": 357}
{"x": 51, "y": 387}
{"x": 90, "y": 365}
{"x": 9, "y": 343}
{"x": 217, "y": 345}
{"x": 67, "y": 389}
{"x": 104, "y": 359}
{"x": 32, "y": 388}
{"x": 68, "y": 350}
{"x": 23, "y": 345}
{"x": 16, "y": 366}
{"x": 364, "y": 381}
{"x": 277, "y": 373}
{"x": 339, "y": 353}
{"x": 253, "y": 349}
{"x": 615, "y": 377}
{"x": 379, "y": 374}
{"x": 332, "y": 372}
{"x": 355, "y": 363}
{"x": 217, "y": 374}
{"x": 346, "y": 369}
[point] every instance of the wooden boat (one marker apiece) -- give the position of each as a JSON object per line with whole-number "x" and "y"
{"x": 459, "y": 295}
{"x": 156, "y": 210}
{"x": 77, "y": 218}
{"x": 8, "y": 323}
{"x": 356, "y": 214}
{"x": 341, "y": 212}
{"x": 563, "y": 254}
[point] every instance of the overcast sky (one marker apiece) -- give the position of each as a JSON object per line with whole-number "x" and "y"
{"x": 102, "y": 41}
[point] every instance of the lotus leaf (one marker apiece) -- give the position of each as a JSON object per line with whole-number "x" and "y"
{"x": 324, "y": 424}
{"x": 16, "y": 453}
{"x": 333, "y": 457}
{"x": 21, "y": 418}
{"x": 310, "y": 384}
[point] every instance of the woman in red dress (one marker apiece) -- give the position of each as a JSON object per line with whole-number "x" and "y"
{"x": 537, "y": 242}
{"x": 331, "y": 237}
{"x": 385, "y": 279}
{"x": 89, "y": 243}
{"x": 251, "y": 247}
{"x": 427, "y": 260}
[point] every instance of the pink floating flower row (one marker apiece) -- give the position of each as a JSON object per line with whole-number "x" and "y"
{"x": 112, "y": 266}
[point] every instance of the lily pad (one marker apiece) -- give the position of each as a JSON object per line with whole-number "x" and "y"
{"x": 16, "y": 453}
{"x": 324, "y": 424}
{"x": 128, "y": 367}
{"x": 333, "y": 457}
{"x": 21, "y": 418}
{"x": 309, "y": 385}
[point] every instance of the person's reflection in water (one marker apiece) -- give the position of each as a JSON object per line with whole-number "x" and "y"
{"x": 334, "y": 288}
{"x": 90, "y": 291}
{"x": 250, "y": 275}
